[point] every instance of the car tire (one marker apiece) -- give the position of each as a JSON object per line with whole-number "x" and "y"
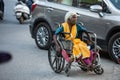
{"x": 1, "y": 15}
{"x": 43, "y": 35}
{"x": 21, "y": 20}
{"x": 114, "y": 47}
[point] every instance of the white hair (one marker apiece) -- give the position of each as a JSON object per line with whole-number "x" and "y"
{"x": 69, "y": 15}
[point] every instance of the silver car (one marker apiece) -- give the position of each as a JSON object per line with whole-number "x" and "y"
{"x": 99, "y": 16}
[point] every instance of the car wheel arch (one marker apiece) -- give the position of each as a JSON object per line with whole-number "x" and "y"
{"x": 113, "y": 36}
{"x": 37, "y": 21}
{"x": 112, "y": 32}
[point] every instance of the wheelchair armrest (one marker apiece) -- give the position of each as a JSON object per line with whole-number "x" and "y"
{"x": 93, "y": 38}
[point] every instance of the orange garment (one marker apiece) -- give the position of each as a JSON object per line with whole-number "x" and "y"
{"x": 79, "y": 47}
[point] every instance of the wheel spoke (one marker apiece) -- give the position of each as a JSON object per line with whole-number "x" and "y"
{"x": 56, "y": 61}
{"x": 116, "y": 48}
{"x": 53, "y": 55}
{"x": 59, "y": 63}
{"x": 42, "y": 36}
{"x": 39, "y": 37}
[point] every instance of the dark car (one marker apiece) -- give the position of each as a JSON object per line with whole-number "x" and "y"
{"x": 99, "y": 16}
{"x": 1, "y": 9}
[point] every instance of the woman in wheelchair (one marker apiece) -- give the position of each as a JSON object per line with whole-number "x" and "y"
{"x": 80, "y": 48}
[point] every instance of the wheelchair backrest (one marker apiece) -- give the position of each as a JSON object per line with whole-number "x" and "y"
{"x": 65, "y": 44}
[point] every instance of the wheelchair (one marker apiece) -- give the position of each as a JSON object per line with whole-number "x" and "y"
{"x": 58, "y": 60}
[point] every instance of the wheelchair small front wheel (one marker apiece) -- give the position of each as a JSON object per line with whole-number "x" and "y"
{"x": 56, "y": 62}
{"x": 99, "y": 70}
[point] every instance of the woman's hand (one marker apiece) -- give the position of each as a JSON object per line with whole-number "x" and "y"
{"x": 89, "y": 42}
{"x": 56, "y": 43}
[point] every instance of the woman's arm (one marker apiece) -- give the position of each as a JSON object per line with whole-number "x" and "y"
{"x": 57, "y": 32}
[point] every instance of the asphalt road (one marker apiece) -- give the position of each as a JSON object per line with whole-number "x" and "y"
{"x": 27, "y": 62}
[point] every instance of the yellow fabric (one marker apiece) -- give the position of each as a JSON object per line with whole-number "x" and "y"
{"x": 73, "y": 31}
{"x": 79, "y": 47}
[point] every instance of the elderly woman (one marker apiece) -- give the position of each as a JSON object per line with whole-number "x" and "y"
{"x": 80, "y": 48}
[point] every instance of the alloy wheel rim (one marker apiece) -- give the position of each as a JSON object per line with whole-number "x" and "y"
{"x": 116, "y": 48}
{"x": 42, "y": 36}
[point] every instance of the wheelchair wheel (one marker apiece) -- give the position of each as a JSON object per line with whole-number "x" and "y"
{"x": 99, "y": 70}
{"x": 82, "y": 68}
{"x": 56, "y": 60}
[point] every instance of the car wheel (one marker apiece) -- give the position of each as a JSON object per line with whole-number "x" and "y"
{"x": 43, "y": 35}
{"x": 1, "y": 18}
{"x": 1, "y": 15}
{"x": 114, "y": 47}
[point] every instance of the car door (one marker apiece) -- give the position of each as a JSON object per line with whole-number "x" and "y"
{"x": 92, "y": 20}
{"x": 54, "y": 13}
{"x": 57, "y": 9}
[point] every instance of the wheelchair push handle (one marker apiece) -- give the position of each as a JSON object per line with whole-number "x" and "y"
{"x": 92, "y": 37}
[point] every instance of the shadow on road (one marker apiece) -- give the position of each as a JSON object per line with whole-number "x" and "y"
{"x": 105, "y": 55}
{"x": 5, "y": 57}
